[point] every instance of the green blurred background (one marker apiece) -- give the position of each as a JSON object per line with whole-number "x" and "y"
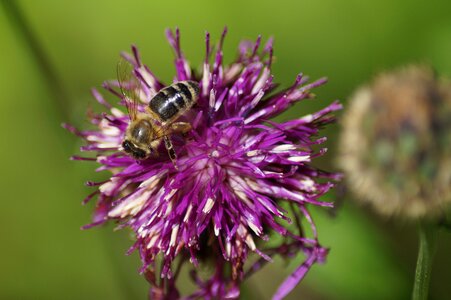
{"x": 44, "y": 254}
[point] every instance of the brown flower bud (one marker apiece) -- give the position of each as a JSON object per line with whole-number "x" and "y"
{"x": 395, "y": 147}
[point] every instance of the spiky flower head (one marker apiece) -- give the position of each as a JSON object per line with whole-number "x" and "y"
{"x": 240, "y": 176}
{"x": 396, "y": 143}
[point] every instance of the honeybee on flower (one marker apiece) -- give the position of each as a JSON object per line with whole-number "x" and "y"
{"x": 237, "y": 179}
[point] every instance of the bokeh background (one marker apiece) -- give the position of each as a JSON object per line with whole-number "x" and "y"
{"x": 43, "y": 252}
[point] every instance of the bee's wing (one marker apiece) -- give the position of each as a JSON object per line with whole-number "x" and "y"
{"x": 128, "y": 84}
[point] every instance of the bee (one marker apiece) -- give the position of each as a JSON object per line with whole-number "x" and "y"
{"x": 148, "y": 129}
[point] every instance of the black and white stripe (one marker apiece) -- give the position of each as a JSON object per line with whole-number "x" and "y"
{"x": 175, "y": 99}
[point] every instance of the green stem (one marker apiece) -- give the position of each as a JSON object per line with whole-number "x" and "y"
{"x": 43, "y": 62}
{"x": 428, "y": 237}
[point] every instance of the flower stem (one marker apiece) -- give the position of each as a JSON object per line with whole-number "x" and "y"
{"x": 428, "y": 237}
{"x": 25, "y": 31}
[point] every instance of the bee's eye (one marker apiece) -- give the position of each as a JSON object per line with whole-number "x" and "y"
{"x": 127, "y": 146}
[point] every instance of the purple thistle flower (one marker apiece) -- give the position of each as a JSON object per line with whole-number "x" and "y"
{"x": 240, "y": 176}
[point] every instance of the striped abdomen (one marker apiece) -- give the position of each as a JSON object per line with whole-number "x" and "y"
{"x": 172, "y": 101}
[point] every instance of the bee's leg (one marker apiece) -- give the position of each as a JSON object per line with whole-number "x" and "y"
{"x": 182, "y": 127}
{"x": 171, "y": 151}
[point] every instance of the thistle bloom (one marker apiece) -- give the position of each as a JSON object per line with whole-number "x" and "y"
{"x": 396, "y": 143}
{"x": 241, "y": 178}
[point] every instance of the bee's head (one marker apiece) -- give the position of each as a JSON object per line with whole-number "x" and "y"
{"x": 134, "y": 151}
{"x": 137, "y": 139}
